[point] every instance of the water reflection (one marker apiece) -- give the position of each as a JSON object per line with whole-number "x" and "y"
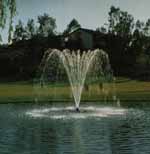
{"x": 122, "y": 134}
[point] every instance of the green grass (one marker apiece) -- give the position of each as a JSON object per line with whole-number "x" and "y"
{"x": 124, "y": 89}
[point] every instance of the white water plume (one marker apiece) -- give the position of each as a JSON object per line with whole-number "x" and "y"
{"x": 77, "y": 64}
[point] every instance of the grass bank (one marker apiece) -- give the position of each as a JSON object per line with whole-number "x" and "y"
{"x": 123, "y": 89}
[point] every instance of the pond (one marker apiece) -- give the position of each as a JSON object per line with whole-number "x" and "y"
{"x": 58, "y": 129}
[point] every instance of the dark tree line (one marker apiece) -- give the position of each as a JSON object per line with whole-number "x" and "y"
{"x": 128, "y": 43}
{"x": 46, "y": 27}
{"x": 125, "y": 40}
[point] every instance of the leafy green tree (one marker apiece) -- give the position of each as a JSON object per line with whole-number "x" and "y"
{"x": 146, "y": 29}
{"x": 30, "y": 29}
{"x": 1, "y": 39}
{"x": 20, "y": 32}
{"x": 74, "y": 24}
{"x": 139, "y": 39}
{"x": 120, "y": 22}
{"x": 7, "y": 10}
{"x": 47, "y": 25}
{"x": 139, "y": 27}
{"x": 101, "y": 29}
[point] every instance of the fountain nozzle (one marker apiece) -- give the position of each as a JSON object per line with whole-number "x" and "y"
{"x": 77, "y": 109}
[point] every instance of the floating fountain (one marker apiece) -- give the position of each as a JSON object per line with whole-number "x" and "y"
{"x": 77, "y": 65}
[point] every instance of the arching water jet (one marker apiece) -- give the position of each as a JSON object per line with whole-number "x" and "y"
{"x": 77, "y": 64}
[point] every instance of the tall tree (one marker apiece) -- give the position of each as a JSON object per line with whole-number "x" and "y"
{"x": 147, "y": 28}
{"x": 72, "y": 25}
{"x": 47, "y": 25}
{"x": 30, "y": 29}
{"x": 120, "y": 22}
{"x": 140, "y": 39}
{"x": 101, "y": 29}
{"x": 7, "y": 10}
{"x": 139, "y": 27}
{"x": 20, "y": 32}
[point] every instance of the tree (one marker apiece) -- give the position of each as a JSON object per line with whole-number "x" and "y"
{"x": 74, "y": 24}
{"x": 139, "y": 27}
{"x": 7, "y": 9}
{"x": 1, "y": 39}
{"x": 146, "y": 29}
{"x": 101, "y": 29}
{"x": 139, "y": 39}
{"x": 30, "y": 29}
{"x": 20, "y": 32}
{"x": 120, "y": 22}
{"x": 47, "y": 25}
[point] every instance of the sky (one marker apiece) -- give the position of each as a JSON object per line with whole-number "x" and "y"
{"x": 89, "y": 13}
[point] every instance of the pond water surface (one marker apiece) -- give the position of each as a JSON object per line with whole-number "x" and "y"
{"x": 58, "y": 129}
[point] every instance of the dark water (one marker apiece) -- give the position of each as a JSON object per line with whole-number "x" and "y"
{"x": 125, "y": 133}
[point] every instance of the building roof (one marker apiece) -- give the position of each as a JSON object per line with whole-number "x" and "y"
{"x": 82, "y": 29}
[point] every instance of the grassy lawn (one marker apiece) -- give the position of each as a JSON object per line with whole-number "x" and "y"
{"x": 124, "y": 89}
